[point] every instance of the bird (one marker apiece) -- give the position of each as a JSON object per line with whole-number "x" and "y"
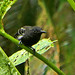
{"x": 29, "y": 35}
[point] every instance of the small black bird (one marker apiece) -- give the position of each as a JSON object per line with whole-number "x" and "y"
{"x": 29, "y": 35}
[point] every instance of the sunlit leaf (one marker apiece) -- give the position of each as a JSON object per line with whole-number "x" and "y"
{"x": 5, "y": 6}
{"x": 6, "y": 67}
{"x": 41, "y": 47}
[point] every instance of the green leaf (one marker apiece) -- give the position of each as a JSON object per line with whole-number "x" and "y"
{"x": 72, "y": 3}
{"x": 6, "y": 67}
{"x": 41, "y": 47}
{"x": 5, "y": 5}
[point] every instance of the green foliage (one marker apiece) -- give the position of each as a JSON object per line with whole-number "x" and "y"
{"x": 26, "y": 12}
{"x": 5, "y": 6}
{"x": 72, "y": 3}
{"x": 41, "y": 47}
{"x": 6, "y": 66}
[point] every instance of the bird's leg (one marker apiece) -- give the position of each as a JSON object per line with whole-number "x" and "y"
{"x": 20, "y": 42}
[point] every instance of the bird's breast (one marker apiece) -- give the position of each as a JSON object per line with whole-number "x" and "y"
{"x": 30, "y": 39}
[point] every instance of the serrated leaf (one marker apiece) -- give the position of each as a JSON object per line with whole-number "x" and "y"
{"x": 41, "y": 47}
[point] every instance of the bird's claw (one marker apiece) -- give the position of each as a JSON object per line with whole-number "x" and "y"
{"x": 20, "y": 42}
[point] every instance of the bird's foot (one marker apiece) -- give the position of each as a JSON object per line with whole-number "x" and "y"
{"x": 20, "y": 42}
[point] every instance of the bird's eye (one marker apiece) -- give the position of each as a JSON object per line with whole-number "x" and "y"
{"x": 36, "y": 31}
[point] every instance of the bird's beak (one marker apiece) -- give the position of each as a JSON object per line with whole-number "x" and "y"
{"x": 43, "y": 31}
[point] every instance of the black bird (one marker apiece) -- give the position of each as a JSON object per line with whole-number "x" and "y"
{"x": 29, "y": 35}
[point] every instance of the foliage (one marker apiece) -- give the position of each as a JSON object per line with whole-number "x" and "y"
{"x": 56, "y": 17}
{"x": 6, "y": 66}
{"x": 5, "y": 6}
{"x": 72, "y": 3}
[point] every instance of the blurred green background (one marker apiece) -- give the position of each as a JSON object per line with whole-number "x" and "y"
{"x": 54, "y": 16}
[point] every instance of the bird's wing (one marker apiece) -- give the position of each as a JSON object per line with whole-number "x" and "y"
{"x": 20, "y": 33}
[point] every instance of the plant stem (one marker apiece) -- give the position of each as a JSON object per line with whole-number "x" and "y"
{"x": 46, "y": 61}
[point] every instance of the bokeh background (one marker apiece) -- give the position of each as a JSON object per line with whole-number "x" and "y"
{"x": 54, "y": 16}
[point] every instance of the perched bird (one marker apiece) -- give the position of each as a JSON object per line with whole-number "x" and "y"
{"x": 29, "y": 35}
